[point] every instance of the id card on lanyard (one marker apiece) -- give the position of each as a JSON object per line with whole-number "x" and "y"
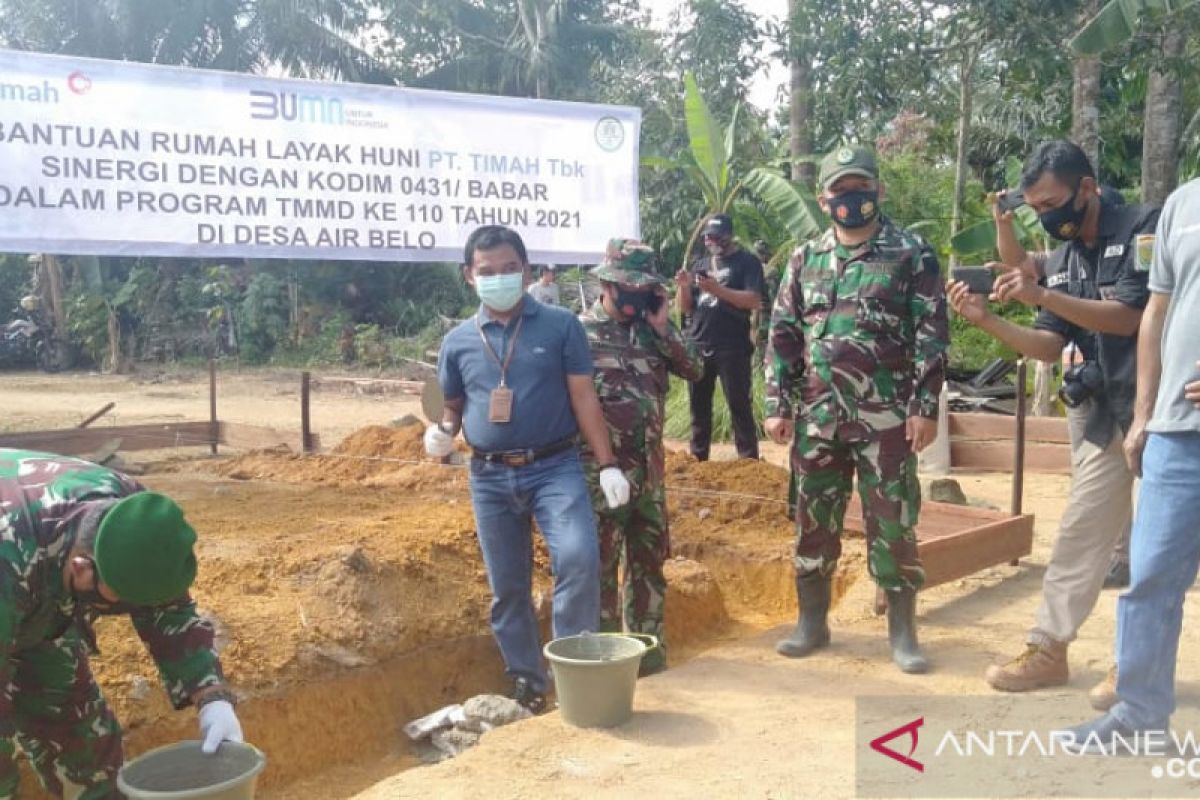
{"x": 500, "y": 401}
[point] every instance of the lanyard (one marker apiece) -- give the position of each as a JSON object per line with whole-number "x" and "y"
{"x": 509, "y": 350}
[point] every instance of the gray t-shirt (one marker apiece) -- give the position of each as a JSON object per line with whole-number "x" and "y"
{"x": 1176, "y": 271}
{"x": 547, "y": 295}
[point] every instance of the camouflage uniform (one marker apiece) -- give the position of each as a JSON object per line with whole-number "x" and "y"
{"x": 632, "y": 364}
{"x": 857, "y": 345}
{"x": 50, "y": 704}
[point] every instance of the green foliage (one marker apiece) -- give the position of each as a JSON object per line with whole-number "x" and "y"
{"x": 679, "y": 415}
{"x": 87, "y": 325}
{"x": 263, "y": 318}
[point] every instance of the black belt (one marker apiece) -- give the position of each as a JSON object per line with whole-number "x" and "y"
{"x": 521, "y": 458}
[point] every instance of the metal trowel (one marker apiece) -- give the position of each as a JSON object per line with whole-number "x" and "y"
{"x": 432, "y": 405}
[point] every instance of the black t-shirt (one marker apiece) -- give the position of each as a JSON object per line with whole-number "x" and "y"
{"x": 1111, "y": 270}
{"x": 715, "y": 324}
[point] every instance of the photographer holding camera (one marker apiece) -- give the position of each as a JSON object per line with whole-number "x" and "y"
{"x": 1092, "y": 295}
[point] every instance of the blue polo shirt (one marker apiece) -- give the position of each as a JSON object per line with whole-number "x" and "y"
{"x": 551, "y": 345}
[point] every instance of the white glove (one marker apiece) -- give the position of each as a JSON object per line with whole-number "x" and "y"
{"x": 615, "y": 487}
{"x": 218, "y": 724}
{"x": 438, "y": 443}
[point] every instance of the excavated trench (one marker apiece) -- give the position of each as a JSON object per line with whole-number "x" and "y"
{"x": 350, "y": 598}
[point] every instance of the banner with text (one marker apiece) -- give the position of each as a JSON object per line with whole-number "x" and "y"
{"x": 112, "y": 158}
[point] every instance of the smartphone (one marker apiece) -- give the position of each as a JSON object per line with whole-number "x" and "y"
{"x": 1011, "y": 200}
{"x": 977, "y": 279}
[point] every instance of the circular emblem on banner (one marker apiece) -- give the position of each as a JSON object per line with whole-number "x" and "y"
{"x": 79, "y": 83}
{"x": 610, "y": 133}
{"x": 845, "y": 155}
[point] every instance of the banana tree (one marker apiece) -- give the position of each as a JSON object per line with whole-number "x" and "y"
{"x": 1117, "y": 21}
{"x": 709, "y": 164}
{"x": 708, "y": 160}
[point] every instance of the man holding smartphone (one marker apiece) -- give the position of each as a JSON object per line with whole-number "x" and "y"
{"x": 634, "y": 347}
{"x": 1092, "y": 297}
{"x": 717, "y": 296}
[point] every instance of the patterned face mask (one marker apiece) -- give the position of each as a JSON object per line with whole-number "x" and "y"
{"x": 854, "y": 209}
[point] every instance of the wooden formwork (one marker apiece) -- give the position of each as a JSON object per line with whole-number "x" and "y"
{"x": 955, "y": 541}
{"x": 986, "y": 442}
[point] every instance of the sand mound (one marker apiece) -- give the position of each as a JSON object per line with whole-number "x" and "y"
{"x": 375, "y": 456}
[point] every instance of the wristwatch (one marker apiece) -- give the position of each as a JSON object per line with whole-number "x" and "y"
{"x": 441, "y": 426}
{"x": 213, "y": 695}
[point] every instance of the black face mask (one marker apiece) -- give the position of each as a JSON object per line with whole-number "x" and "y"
{"x": 1064, "y": 222}
{"x": 854, "y": 209}
{"x": 635, "y": 304}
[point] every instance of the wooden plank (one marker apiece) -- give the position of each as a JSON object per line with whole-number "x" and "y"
{"x": 85, "y": 441}
{"x": 256, "y": 437}
{"x": 998, "y": 457}
{"x": 955, "y": 541}
{"x": 953, "y": 557}
{"x": 993, "y": 426}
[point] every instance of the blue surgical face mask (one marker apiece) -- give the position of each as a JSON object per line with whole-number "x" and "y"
{"x": 500, "y": 292}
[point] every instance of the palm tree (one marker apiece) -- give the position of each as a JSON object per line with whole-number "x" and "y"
{"x": 311, "y": 38}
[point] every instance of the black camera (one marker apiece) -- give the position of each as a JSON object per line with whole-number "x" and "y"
{"x": 1080, "y": 383}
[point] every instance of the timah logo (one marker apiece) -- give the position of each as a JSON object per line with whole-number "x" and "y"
{"x": 292, "y": 107}
{"x": 880, "y": 745}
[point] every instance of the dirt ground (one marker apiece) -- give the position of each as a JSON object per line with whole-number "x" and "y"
{"x": 350, "y": 598}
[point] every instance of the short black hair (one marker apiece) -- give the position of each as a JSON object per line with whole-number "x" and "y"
{"x": 489, "y": 237}
{"x": 1063, "y": 159}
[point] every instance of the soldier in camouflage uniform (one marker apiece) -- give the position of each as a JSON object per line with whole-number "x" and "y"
{"x": 634, "y": 345}
{"x": 855, "y": 362}
{"x": 77, "y": 540}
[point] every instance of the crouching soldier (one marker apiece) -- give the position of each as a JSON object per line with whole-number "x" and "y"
{"x": 634, "y": 345}
{"x": 77, "y": 540}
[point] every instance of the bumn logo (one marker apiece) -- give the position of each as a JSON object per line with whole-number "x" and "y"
{"x": 292, "y": 107}
{"x": 880, "y": 745}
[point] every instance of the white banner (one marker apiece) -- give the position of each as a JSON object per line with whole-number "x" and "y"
{"x": 113, "y": 158}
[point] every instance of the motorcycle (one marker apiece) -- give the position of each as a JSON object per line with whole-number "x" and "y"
{"x": 30, "y": 340}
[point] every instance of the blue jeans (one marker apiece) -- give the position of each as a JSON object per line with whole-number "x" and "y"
{"x": 552, "y": 491}
{"x": 1164, "y": 554}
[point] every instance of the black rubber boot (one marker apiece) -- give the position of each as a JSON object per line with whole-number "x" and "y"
{"x": 812, "y": 629}
{"x": 902, "y": 631}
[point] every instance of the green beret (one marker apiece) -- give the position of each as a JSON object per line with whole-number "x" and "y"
{"x": 144, "y": 550}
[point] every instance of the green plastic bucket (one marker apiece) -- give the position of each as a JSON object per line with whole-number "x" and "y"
{"x": 182, "y": 772}
{"x": 595, "y": 675}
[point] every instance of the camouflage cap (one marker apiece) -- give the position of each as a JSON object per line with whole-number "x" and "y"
{"x": 630, "y": 262}
{"x": 848, "y": 160}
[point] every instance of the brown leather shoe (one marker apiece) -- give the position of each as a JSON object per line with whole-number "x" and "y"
{"x": 1038, "y": 667}
{"x": 1103, "y": 695}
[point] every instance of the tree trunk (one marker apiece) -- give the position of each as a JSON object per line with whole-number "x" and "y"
{"x": 1085, "y": 107}
{"x": 1163, "y": 118}
{"x": 966, "y": 97}
{"x": 58, "y": 311}
{"x": 800, "y": 119}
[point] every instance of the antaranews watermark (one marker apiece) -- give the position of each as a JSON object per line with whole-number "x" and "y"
{"x": 1015, "y": 746}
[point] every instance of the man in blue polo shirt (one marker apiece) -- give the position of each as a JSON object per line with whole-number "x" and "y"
{"x": 517, "y": 378}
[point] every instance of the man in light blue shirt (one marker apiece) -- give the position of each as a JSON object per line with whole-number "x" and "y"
{"x": 1163, "y": 446}
{"x": 517, "y": 378}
